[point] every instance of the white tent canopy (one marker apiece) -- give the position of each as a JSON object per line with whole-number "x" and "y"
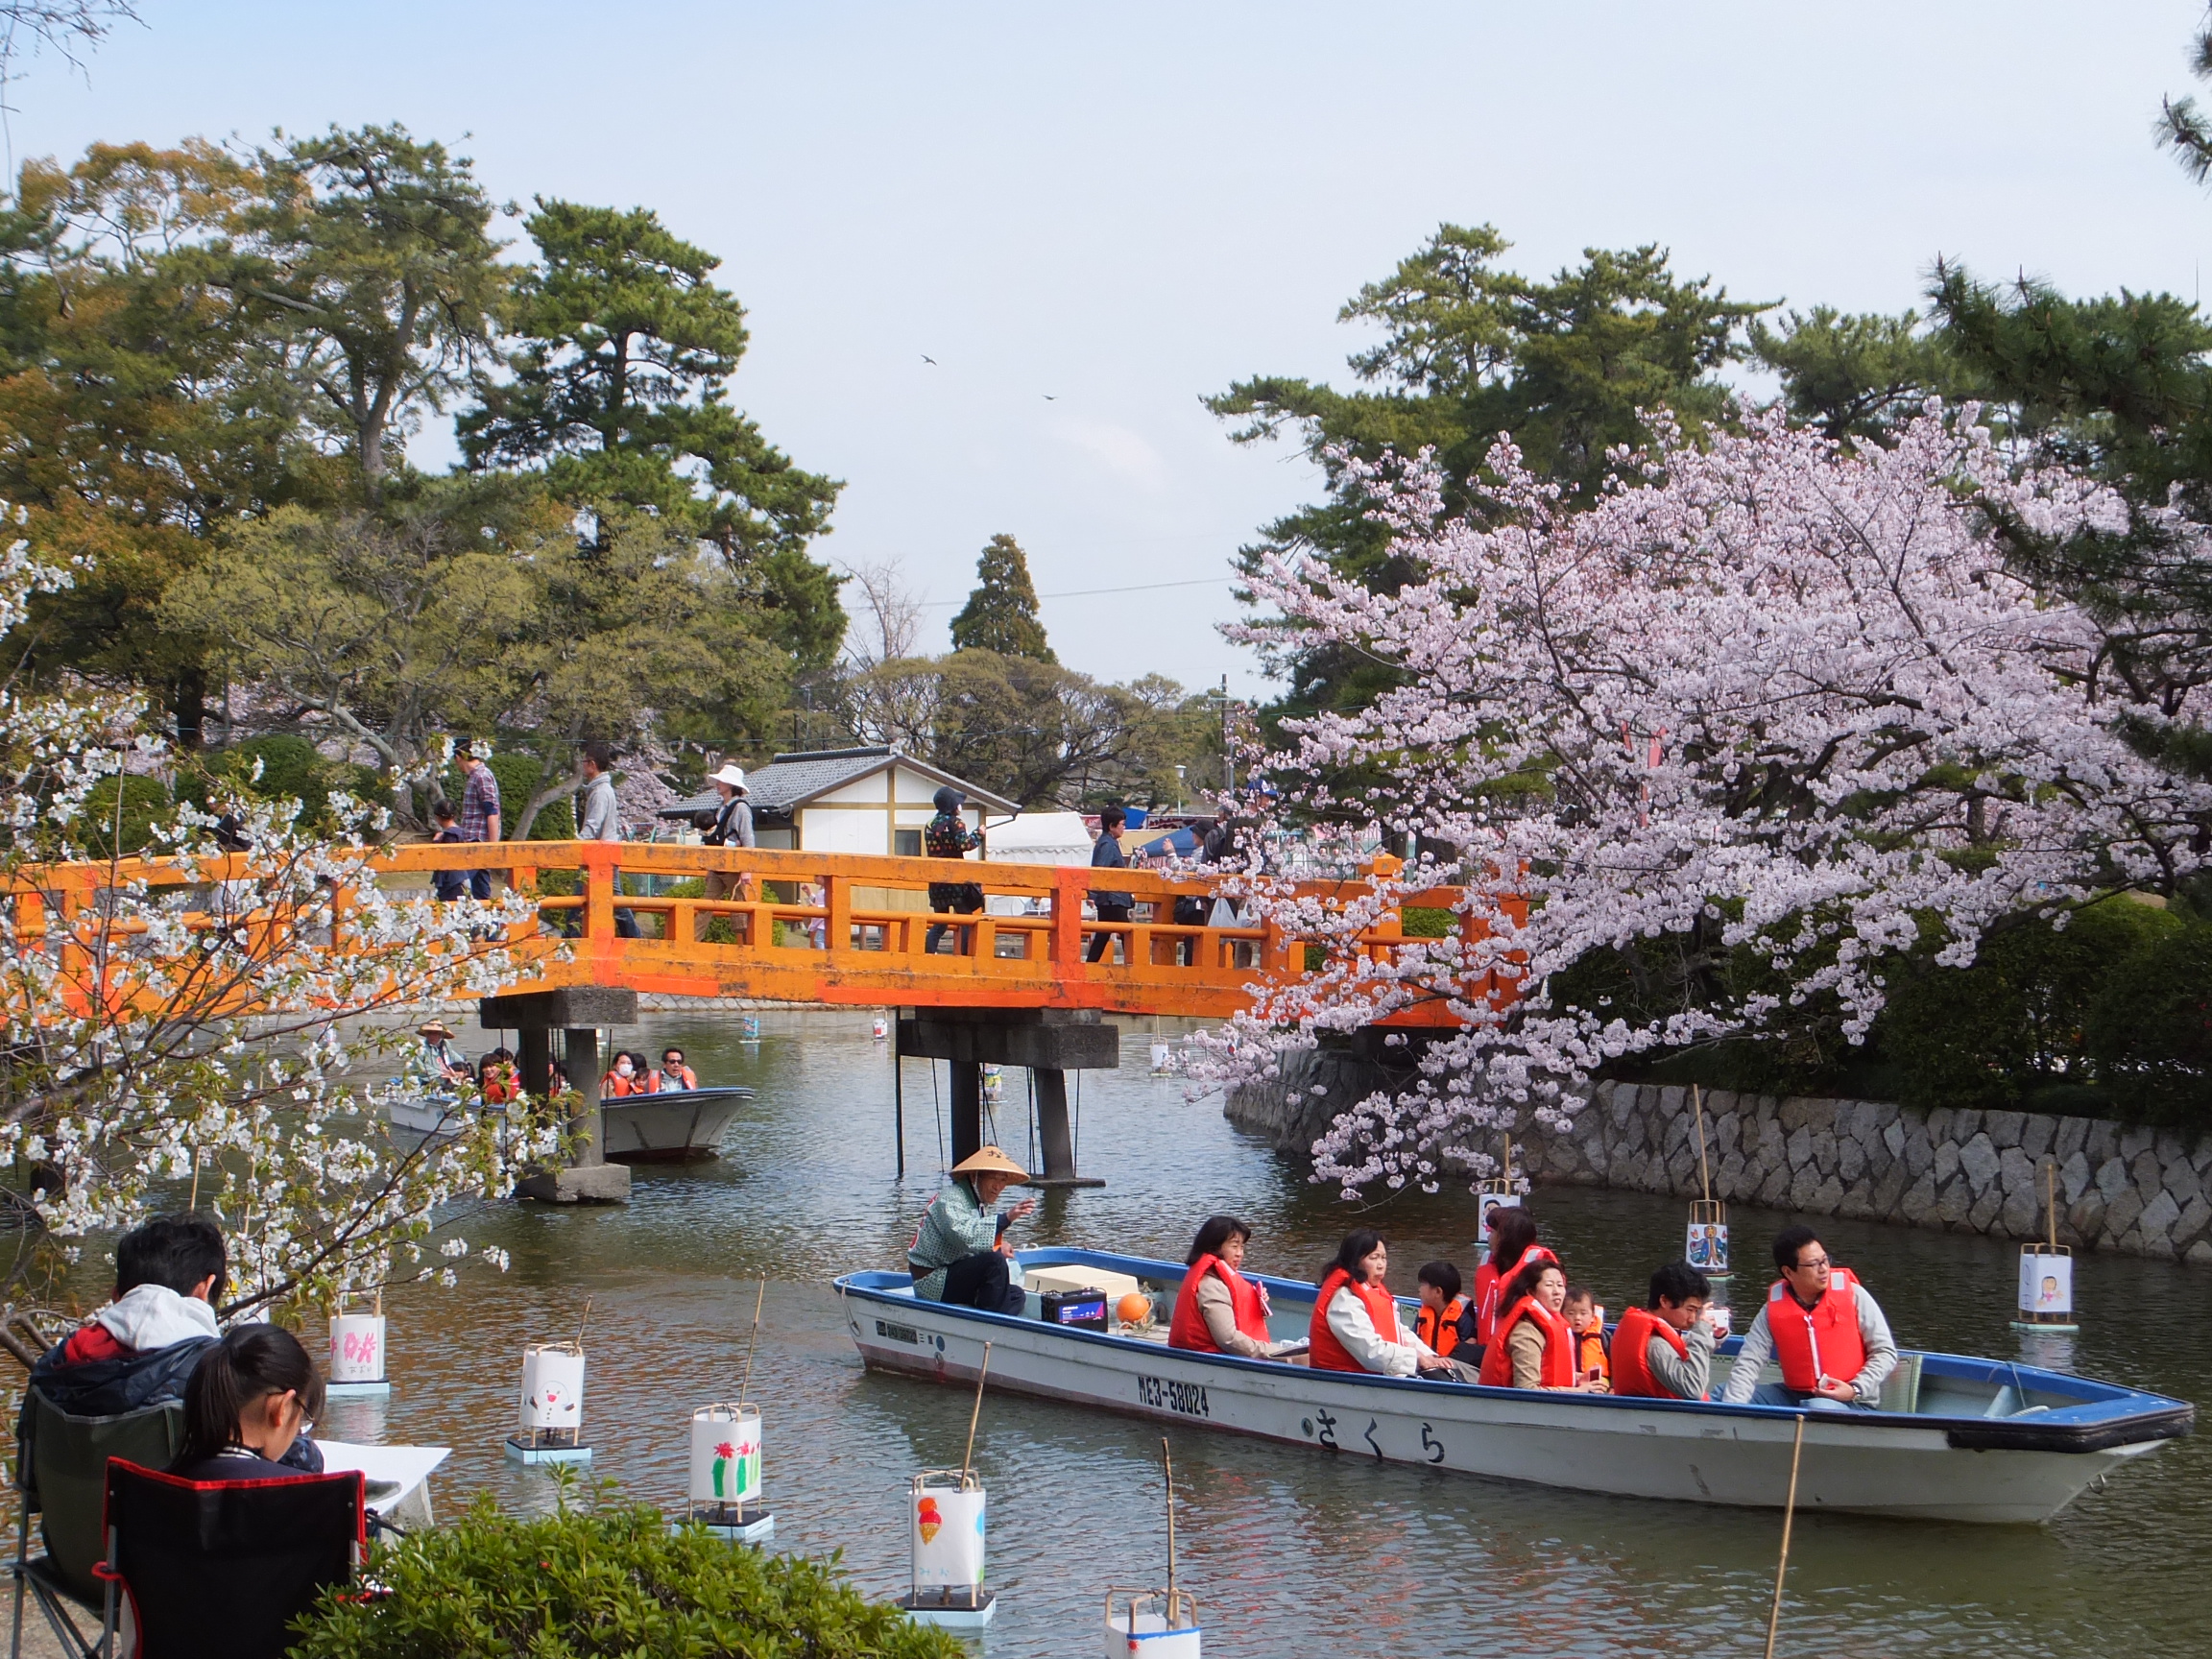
{"x": 1040, "y": 838}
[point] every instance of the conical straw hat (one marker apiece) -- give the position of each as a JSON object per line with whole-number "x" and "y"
{"x": 990, "y": 1161}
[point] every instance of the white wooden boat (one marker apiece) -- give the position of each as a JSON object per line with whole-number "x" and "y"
{"x": 679, "y": 1127}
{"x": 1958, "y": 1439}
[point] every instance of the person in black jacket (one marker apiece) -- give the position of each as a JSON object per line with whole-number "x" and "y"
{"x": 252, "y": 1399}
{"x": 947, "y": 836}
{"x": 1106, "y": 854}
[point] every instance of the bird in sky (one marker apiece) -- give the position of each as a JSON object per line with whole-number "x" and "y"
{"x": 927, "y": 358}
{"x": 1049, "y": 398}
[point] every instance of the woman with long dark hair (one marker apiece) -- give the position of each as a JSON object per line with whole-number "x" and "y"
{"x": 249, "y": 1398}
{"x": 1356, "y": 1323}
{"x": 1218, "y": 1311}
{"x": 1512, "y": 1247}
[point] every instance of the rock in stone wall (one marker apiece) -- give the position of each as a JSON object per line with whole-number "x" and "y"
{"x": 2141, "y": 1191}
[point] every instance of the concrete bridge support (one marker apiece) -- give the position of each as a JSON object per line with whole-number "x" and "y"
{"x": 577, "y": 1012}
{"x": 1048, "y": 1041}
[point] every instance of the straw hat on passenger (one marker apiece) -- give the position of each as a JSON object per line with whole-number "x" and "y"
{"x": 435, "y": 1028}
{"x": 990, "y": 1161}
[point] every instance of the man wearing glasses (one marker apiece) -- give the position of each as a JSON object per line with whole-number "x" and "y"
{"x": 1821, "y": 1326}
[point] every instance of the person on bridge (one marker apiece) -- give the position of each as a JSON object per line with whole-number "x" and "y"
{"x": 947, "y": 836}
{"x": 1106, "y": 854}
{"x": 1355, "y": 1325}
{"x": 960, "y": 1254}
{"x": 1535, "y": 1347}
{"x": 1665, "y": 1350}
{"x": 733, "y": 827}
{"x": 598, "y": 818}
{"x": 1218, "y": 1311}
{"x": 1825, "y": 1330}
{"x": 479, "y": 810}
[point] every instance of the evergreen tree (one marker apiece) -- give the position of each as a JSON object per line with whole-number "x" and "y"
{"x": 1002, "y": 614}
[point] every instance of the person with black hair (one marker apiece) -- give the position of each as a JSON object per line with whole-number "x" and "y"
{"x": 1664, "y": 1351}
{"x": 1535, "y": 1346}
{"x": 1355, "y": 1325}
{"x": 1512, "y": 1247}
{"x": 599, "y": 818}
{"x": 1218, "y": 1311}
{"x": 947, "y": 836}
{"x": 139, "y": 1349}
{"x": 1822, "y": 1326}
{"x": 1445, "y": 1320}
{"x": 251, "y": 1401}
{"x": 1106, "y": 854}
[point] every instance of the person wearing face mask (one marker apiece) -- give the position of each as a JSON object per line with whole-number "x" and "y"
{"x": 622, "y": 1080}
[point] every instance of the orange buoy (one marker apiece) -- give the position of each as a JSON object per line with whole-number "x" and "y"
{"x": 1133, "y": 1309}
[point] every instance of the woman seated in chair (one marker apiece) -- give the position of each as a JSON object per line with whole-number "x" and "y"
{"x": 251, "y": 1397}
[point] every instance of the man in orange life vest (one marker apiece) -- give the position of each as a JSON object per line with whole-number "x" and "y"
{"x": 1825, "y": 1329}
{"x": 1665, "y": 1350}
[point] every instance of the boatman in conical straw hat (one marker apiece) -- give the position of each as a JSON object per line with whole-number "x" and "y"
{"x": 960, "y": 1253}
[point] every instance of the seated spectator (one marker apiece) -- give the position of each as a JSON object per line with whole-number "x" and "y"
{"x": 500, "y": 1079}
{"x": 621, "y": 1080}
{"x": 960, "y": 1253}
{"x": 1445, "y": 1320}
{"x": 1587, "y": 1320}
{"x": 1218, "y": 1311}
{"x": 674, "y": 1074}
{"x": 1512, "y": 1247}
{"x": 1822, "y": 1326}
{"x": 448, "y": 885}
{"x": 1665, "y": 1351}
{"x": 251, "y": 1401}
{"x": 1355, "y": 1325}
{"x": 140, "y": 1348}
{"x": 1534, "y": 1348}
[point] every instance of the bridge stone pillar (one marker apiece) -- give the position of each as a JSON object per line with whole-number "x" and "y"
{"x": 578, "y": 1011}
{"x": 1048, "y": 1041}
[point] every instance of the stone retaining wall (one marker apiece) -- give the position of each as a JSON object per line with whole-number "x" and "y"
{"x": 2142, "y": 1191}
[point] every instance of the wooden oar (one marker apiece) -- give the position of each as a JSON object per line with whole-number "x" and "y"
{"x": 1789, "y": 1515}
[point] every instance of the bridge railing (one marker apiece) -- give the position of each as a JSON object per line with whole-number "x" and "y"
{"x": 849, "y": 928}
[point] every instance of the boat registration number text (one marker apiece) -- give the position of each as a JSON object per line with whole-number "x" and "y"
{"x": 1164, "y": 1394}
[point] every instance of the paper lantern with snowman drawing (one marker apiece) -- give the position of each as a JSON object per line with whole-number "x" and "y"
{"x": 549, "y": 1407}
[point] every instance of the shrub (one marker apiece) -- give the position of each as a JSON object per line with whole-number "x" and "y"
{"x": 1423, "y": 922}
{"x": 2150, "y": 1030}
{"x": 518, "y": 776}
{"x": 607, "y": 1581}
{"x": 145, "y": 804}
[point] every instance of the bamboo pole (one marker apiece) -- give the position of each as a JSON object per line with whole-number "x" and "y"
{"x": 1789, "y": 1515}
{"x": 1704, "y": 1172}
{"x": 745, "y": 1387}
{"x": 967, "y": 1458}
{"x": 2050, "y": 1201}
{"x": 581, "y": 1323}
{"x": 1168, "y": 1463}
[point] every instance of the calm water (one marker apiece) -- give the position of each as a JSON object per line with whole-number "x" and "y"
{"x": 1290, "y": 1552}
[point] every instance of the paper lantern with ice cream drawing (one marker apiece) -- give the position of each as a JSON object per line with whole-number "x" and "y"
{"x": 947, "y": 1533}
{"x": 725, "y": 1455}
{"x": 552, "y": 1393}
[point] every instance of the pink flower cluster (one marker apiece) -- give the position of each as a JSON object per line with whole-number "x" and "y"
{"x": 1780, "y": 688}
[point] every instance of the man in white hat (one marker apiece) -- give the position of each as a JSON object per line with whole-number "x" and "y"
{"x": 733, "y": 827}
{"x": 960, "y": 1253}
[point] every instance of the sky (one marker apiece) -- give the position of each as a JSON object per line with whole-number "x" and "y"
{"x": 1090, "y": 217}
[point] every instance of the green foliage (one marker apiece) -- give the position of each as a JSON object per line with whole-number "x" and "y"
{"x": 2150, "y": 1030}
{"x": 145, "y": 803}
{"x": 1859, "y": 377}
{"x": 1001, "y": 612}
{"x": 518, "y": 777}
{"x": 1423, "y": 922}
{"x": 619, "y": 392}
{"x": 610, "y": 1581}
{"x": 290, "y": 768}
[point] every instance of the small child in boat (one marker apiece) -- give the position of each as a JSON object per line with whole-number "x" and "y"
{"x": 1445, "y": 1320}
{"x": 1593, "y": 1357}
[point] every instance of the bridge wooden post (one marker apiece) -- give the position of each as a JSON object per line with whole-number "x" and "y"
{"x": 579, "y": 1011}
{"x": 1050, "y": 1043}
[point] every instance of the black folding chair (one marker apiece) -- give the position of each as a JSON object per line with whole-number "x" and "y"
{"x": 219, "y": 1569}
{"x": 61, "y": 1466}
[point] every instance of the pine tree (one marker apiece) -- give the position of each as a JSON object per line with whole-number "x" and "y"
{"x": 1002, "y": 614}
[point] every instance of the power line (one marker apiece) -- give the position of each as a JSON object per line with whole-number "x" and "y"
{"x": 1094, "y": 592}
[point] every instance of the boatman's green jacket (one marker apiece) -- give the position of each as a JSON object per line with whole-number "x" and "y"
{"x": 953, "y": 1226}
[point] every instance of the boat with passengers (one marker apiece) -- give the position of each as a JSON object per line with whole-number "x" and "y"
{"x": 1956, "y": 1437}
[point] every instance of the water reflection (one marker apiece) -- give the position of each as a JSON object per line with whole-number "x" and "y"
{"x": 1291, "y": 1553}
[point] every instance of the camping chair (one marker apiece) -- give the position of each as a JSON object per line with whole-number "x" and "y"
{"x": 219, "y": 1569}
{"x": 62, "y": 1467}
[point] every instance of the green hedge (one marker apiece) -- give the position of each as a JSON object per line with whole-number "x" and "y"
{"x": 2149, "y": 1033}
{"x": 520, "y": 774}
{"x": 145, "y": 804}
{"x": 600, "y": 1583}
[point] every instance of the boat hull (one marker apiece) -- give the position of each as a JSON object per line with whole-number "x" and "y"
{"x": 1891, "y": 1464}
{"x": 681, "y": 1127}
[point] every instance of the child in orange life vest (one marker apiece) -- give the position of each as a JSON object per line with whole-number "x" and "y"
{"x": 1445, "y": 1320}
{"x": 1592, "y": 1358}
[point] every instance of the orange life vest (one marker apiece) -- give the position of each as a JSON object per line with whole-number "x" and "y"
{"x": 1441, "y": 1331}
{"x": 500, "y": 1085}
{"x": 1558, "y": 1369}
{"x": 1822, "y": 1341}
{"x": 1490, "y": 1281}
{"x": 1325, "y": 1352}
{"x": 615, "y": 1086}
{"x": 1632, "y": 1342}
{"x": 1187, "y": 1329}
{"x": 682, "y": 1077}
{"x": 1590, "y": 1352}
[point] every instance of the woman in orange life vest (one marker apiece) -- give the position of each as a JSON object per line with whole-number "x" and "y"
{"x": 1665, "y": 1351}
{"x": 498, "y": 1078}
{"x": 622, "y": 1080}
{"x": 1512, "y": 1238}
{"x": 1355, "y": 1325}
{"x": 1822, "y": 1326}
{"x": 1218, "y": 1311}
{"x": 1534, "y": 1348}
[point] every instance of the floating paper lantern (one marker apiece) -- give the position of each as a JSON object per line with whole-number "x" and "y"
{"x": 881, "y": 1029}
{"x": 549, "y": 1407}
{"x": 945, "y": 1528}
{"x": 1705, "y": 1246}
{"x": 358, "y": 1355}
{"x": 749, "y": 1029}
{"x": 725, "y": 1483}
{"x": 2045, "y": 1287}
{"x": 1151, "y": 1624}
{"x": 1159, "y": 1053}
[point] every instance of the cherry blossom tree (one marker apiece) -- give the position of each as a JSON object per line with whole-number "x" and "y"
{"x": 195, "y": 1029}
{"x": 1769, "y": 694}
